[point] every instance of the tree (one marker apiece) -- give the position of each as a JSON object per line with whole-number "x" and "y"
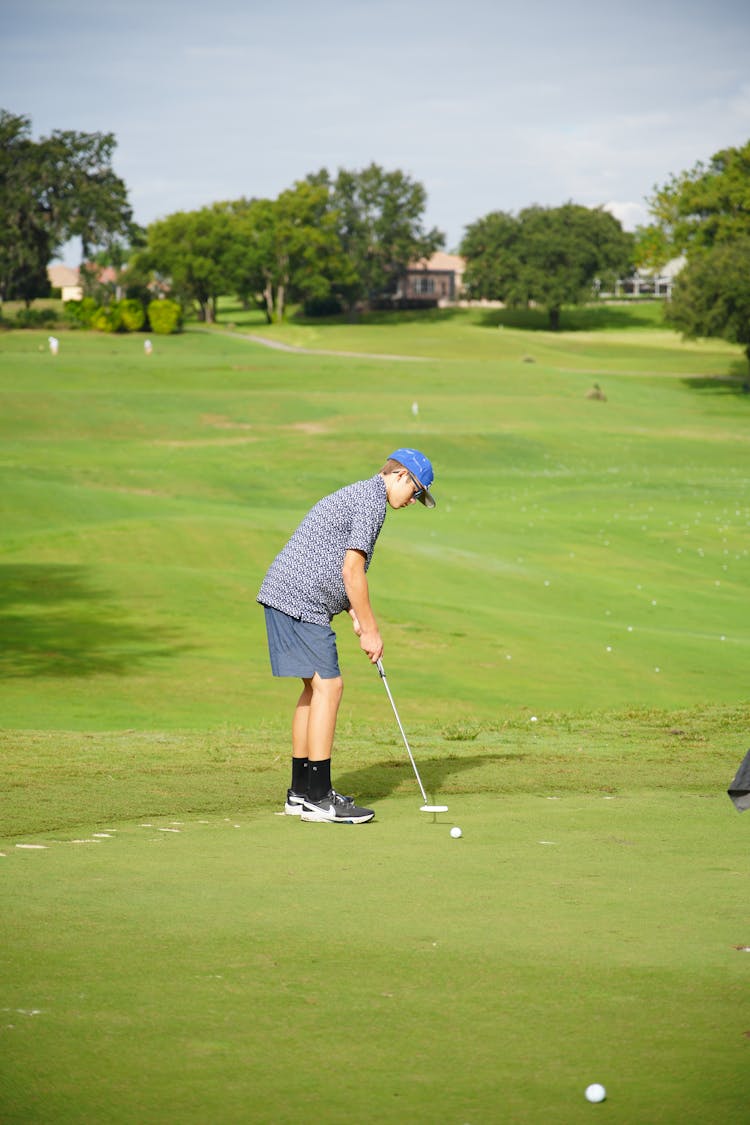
{"x": 26, "y": 242}
{"x": 108, "y": 276}
{"x": 191, "y": 249}
{"x": 711, "y": 295}
{"x": 51, "y": 190}
{"x": 707, "y": 205}
{"x": 82, "y": 196}
{"x": 491, "y": 249}
{"x": 704, "y": 213}
{"x": 380, "y": 225}
{"x": 244, "y": 256}
{"x": 288, "y": 248}
{"x": 548, "y": 256}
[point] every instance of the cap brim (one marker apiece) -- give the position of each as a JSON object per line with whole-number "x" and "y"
{"x": 426, "y": 498}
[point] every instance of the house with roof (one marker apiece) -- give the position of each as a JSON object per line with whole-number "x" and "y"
{"x": 434, "y": 281}
{"x": 67, "y": 280}
{"x": 652, "y": 283}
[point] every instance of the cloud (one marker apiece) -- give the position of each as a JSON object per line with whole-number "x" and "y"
{"x": 492, "y": 107}
{"x": 631, "y": 215}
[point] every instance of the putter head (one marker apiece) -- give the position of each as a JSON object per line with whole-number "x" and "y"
{"x": 433, "y": 808}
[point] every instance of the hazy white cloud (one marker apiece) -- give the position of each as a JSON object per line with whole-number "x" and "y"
{"x": 492, "y": 105}
{"x": 631, "y": 215}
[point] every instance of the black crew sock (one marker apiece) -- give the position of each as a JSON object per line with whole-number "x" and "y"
{"x": 299, "y": 775}
{"x": 318, "y": 779}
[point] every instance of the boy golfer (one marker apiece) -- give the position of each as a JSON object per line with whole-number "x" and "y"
{"x": 320, "y": 572}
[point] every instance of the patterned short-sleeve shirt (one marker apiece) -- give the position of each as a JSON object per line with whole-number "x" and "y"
{"x": 304, "y": 580}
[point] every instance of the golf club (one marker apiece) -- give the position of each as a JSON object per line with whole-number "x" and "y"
{"x": 425, "y": 807}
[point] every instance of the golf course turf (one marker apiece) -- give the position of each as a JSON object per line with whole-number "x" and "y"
{"x": 566, "y": 638}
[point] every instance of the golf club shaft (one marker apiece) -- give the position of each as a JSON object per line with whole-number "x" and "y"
{"x": 381, "y": 669}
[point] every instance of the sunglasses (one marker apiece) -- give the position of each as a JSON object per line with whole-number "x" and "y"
{"x": 418, "y": 490}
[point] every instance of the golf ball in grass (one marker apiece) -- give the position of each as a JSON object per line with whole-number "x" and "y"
{"x": 456, "y": 833}
{"x": 595, "y": 1092}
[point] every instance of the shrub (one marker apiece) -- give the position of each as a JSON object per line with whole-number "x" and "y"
{"x": 107, "y": 319}
{"x": 79, "y": 314}
{"x": 164, "y": 316}
{"x": 132, "y": 315}
{"x": 35, "y": 318}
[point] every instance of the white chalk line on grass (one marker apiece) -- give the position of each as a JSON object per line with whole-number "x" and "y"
{"x": 175, "y": 826}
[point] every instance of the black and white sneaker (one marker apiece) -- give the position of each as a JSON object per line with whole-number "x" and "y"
{"x": 294, "y": 803}
{"x": 335, "y": 809}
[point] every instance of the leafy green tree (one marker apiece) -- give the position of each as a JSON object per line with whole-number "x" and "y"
{"x": 82, "y": 196}
{"x": 51, "y": 190}
{"x": 711, "y": 295}
{"x": 699, "y": 208}
{"x": 287, "y": 249}
{"x": 547, "y": 256}
{"x": 704, "y": 213}
{"x": 380, "y": 225}
{"x": 26, "y": 242}
{"x": 491, "y": 248}
{"x": 190, "y": 249}
{"x": 244, "y": 258}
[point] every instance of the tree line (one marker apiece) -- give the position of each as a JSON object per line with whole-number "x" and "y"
{"x": 328, "y": 242}
{"x": 344, "y": 241}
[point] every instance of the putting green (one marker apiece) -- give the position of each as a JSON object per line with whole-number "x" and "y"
{"x": 254, "y": 968}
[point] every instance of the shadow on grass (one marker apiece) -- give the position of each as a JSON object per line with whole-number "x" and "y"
{"x": 54, "y": 622}
{"x": 573, "y": 318}
{"x": 736, "y": 383}
{"x": 393, "y": 318}
{"x": 382, "y": 778}
{"x": 582, "y": 318}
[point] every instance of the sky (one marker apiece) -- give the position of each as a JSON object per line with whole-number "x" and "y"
{"x": 491, "y": 105}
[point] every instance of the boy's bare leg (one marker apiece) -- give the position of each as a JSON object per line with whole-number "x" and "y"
{"x": 314, "y": 721}
{"x": 322, "y": 714}
{"x": 300, "y": 721}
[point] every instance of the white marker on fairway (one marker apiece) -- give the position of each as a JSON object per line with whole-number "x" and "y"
{"x": 595, "y": 1092}
{"x": 456, "y": 833}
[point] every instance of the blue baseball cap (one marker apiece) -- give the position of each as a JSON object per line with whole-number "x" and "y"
{"x": 420, "y": 468}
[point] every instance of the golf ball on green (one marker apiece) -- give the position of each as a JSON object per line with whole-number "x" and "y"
{"x": 456, "y": 832}
{"x": 595, "y": 1092}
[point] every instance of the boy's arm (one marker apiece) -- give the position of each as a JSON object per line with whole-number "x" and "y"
{"x": 358, "y": 593}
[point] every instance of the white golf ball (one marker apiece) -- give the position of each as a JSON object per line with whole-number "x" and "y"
{"x": 595, "y": 1092}
{"x": 456, "y": 833}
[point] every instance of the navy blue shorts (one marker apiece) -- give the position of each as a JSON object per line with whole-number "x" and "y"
{"x": 300, "y": 648}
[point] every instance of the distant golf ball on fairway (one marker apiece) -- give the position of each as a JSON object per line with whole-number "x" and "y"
{"x": 595, "y": 1092}
{"x": 456, "y": 833}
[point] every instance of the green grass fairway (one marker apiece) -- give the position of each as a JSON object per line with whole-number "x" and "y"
{"x": 567, "y": 640}
{"x": 584, "y": 554}
{"x": 194, "y": 971}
